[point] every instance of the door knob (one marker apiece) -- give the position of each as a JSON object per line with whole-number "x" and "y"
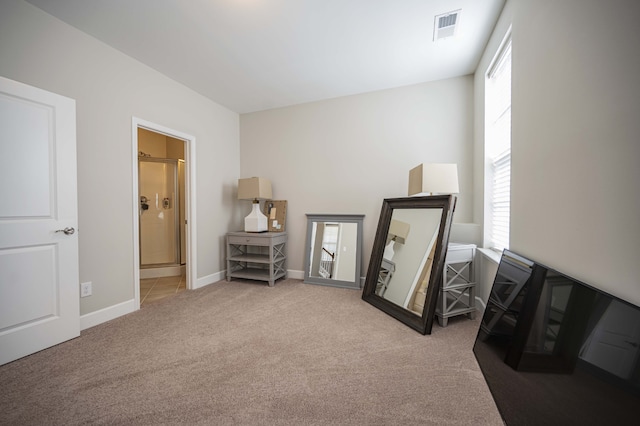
{"x": 67, "y": 231}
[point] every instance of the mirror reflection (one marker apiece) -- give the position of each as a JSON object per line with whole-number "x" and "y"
{"x": 407, "y": 259}
{"x": 333, "y": 250}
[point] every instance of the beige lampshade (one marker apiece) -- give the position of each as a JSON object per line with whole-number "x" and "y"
{"x": 434, "y": 178}
{"x": 254, "y": 188}
{"x": 398, "y": 231}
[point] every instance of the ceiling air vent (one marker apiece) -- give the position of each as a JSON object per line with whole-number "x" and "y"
{"x": 445, "y": 25}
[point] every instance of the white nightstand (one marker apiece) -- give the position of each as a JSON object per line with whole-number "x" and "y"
{"x": 457, "y": 295}
{"x": 257, "y": 256}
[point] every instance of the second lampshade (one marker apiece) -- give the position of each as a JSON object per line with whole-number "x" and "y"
{"x": 434, "y": 178}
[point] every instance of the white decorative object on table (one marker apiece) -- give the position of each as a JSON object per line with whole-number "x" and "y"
{"x": 255, "y": 189}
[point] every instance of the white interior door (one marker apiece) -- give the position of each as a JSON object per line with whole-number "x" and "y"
{"x": 39, "y": 288}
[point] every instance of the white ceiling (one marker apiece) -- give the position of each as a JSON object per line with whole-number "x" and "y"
{"x": 252, "y": 55}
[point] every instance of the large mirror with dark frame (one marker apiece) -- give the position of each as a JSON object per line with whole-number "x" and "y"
{"x": 407, "y": 260}
{"x": 333, "y": 251}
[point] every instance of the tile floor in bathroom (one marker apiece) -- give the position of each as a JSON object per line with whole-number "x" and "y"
{"x": 153, "y": 289}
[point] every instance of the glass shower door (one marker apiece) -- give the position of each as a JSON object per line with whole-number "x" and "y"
{"x": 158, "y": 217}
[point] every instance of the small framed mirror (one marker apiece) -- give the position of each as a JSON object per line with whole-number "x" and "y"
{"x": 333, "y": 250}
{"x": 407, "y": 259}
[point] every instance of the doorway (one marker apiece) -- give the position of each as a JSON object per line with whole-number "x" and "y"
{"x": 164, "y": 243}
{"x": 162, "y": 219}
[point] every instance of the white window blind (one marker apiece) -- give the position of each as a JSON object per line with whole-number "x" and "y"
{"x": 498, "y": 146}
{"x": 501, "y": 200}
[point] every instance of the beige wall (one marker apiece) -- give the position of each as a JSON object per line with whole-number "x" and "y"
{"x": 110, "y": 88}
{"x": 346, "y": 155}
{"x": 575, "y": 150}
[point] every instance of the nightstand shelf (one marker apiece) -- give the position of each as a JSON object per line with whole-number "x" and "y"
{"x": 252, "y": 258}
{"x": 257, "y": 256}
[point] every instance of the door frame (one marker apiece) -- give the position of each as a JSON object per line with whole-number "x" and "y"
{"x": 190, "y": 200}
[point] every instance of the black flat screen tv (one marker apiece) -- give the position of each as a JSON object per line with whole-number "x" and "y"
{"x": 556, "y": 351}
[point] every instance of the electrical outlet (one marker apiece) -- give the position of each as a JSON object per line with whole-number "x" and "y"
{"x": 85, "y": 289}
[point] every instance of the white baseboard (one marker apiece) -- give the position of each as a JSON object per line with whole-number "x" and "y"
{"x": 296, "y": 275}
{"x": 209, "y": 279}
{"x": 107, "y": 314}
{"x": 299, "y": 275}
{"x": 481, "y": 303}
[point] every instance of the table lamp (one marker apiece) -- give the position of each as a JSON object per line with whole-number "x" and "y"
{"x": 398, "y": 233}
{"x": 433, "y": 178}
{"x": 255, "y": 189}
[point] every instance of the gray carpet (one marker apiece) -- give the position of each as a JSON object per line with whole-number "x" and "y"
{"x": 244, "y": 353}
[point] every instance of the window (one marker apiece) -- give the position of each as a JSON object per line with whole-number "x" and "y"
{"x": 498, "y": 148}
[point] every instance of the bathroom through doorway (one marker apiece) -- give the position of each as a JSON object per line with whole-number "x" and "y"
{"x": 164, "y": 234}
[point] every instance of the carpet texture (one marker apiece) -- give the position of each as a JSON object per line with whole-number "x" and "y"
{"x": 241, "y": 352}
